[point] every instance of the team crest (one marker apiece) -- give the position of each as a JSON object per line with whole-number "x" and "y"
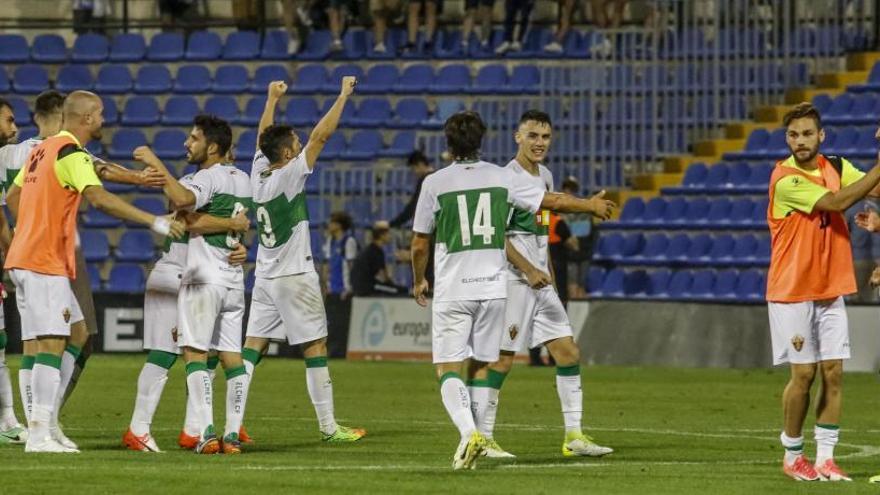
{"x": 798, "y": 342}
{"x": 66, "y": 315}
{"x": 174, "y": 334}
{"x": 513, "y": 331}
{"x": 265, "y": 173}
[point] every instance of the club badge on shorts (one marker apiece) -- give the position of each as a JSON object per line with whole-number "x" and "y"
{"x": 174, "y": 334}
{"x": 66, "y": 315}
{"x": 798, "y": 342}
{"x": 513, "y": 331}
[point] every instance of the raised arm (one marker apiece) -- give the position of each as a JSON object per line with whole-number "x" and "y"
{"x": 112, "y": 172}
{"x": 180, "y": 197}
{"x": 327, "y": 125}
{"x": 276, "y": 90}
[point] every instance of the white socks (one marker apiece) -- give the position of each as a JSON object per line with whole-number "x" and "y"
{"x": 25, "y": 385}
{"x": 794, "y": 447}
{"x": 68, "y": 362}
{"x": 237, "y": 383}
{"x": 321, "y": 392}
{"x": 46, "y": 380}
{"x": 7, "y": 413}
{"x": 479, "y": 392}
{"x": 571, "y": 397}
{"x": 826, "y": 438}
{"x": 201, "y": 395}
{"x": 458, "y": 403}
{"x": 151, "y": 382}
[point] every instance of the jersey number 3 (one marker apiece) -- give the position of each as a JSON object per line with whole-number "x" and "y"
{"x": 267, "y": 237}
{"x": 482, "y": 224}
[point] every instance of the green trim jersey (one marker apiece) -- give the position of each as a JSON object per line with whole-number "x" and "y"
{"x": 282, "y": 217}
{"x": 529, "y": 232}
{"x": 174, "y": 250}
{"x": 12, "y": 157}
{"x": 468, "y": 206}
{"x": 221, "y": 191}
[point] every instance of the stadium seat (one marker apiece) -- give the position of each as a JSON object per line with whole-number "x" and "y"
{"x": 126, "y": 278}
{"x": 93, "y": 218}
{"x": 721, "y": 251}
{"x": 595, "y": 278}
{"x": 30, "y": 79}
{"x": 90, "y": 48}
{"x": 334, "y": 81}
{"x": 319, "y": 210}
{"x": 750, "y": 286}
{"x": 725, "y": 285}
{"x": 74, "y": 77}
{"x": 5, "y": 85}
{"x": 317, "y": 46}
{"x": 872, "y": 83}
{"x": 415, "y": 79}
{"x": 309, "y": 79}
{"x": 49, "y": 49}
{"x": 491, "y": 79}
{"x": 402, "y": 145}
{"x": 203, "y": 46}
{"x": 168, "y": 144}
{"x": 111, "y": 112}
{"x": 140, "y": 111}
{"x": 222, "y": 106}
{"x": 192, "y": 79}
{"x": 654, "y": 210}
{"x": 247, "y": 144}
{"x": 526, "y": 79}
{"x": 165, "y": 47}
{"x": 409, "y": 113}
{"x": 379, "y": 79}
{"x": 94, "y": 275}
{"x": 680, "y": 284}
{"x": 13, "y": 49}
{"x": 451, "y": 79}
{"x": 95, "y": 246}
{"x": 354, "y": 45}
{"x": 348, "y": 112}
{"x": 275, "y": 45}
{"x": 702, "y": 285}
{"x": 127, "y": 47}
{"x": 741, "y": 213}
{"x": 242, "y": 45}
{"x": 152, "y": 79}
{"x": 124, "y": 142}
{"x": 135, "y": 246}
{"x": 694, "y": 179}
{"x": 657, "y": 284}
{"x": 231, "y": 79}
{"x": 612, "y": 284}
{"x": 372, "y": 112}
{"x": 334, "y": 147}
{"x": 302, "y": 111}
{"x": 266, "y": 74}
{"x": 113, "y": 79}
{"x": 253, "y": 110}
{"x": 533, "y": 44}
{"x": 364, "y": 145}
{"x": 446, "y": 107}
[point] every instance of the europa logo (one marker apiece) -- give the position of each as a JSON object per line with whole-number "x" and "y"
{"x": 374, "y": 325}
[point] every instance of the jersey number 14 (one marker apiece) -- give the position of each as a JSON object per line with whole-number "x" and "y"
{"x": 482, "y": 223}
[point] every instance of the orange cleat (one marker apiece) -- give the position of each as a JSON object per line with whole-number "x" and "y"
{"x": 143, "y": 443}
{"x": 831, "y": 472}
{"x": 801, "y": 470}
{"x": 231, "y": 444}
{"x": 209, "y": 445}
{"x": 187, "y": 441}
{"x": 243, "y": 436}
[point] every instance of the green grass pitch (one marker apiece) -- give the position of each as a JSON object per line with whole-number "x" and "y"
{"x": 674, "y": 430}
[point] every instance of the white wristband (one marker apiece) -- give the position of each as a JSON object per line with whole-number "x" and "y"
{"x": 161, "y": 226}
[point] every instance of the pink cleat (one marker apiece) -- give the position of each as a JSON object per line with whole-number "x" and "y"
{"x": 831, "y": 472}
{"x": 801, "y": 470}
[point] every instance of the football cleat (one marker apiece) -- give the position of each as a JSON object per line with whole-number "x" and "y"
{"x": 17, "y": 434}
{"x": 61, "y": 438}
{"x": 47, "y": 445}
{"x": 243, "y": 436}
{"x": 467, "y": 452}
{"x": 494, "y": 451}
{"x": 345, "y": 434}
{"x": 801, "y": 470}
{"x": 831, "y": 472}
{"x": 143, "y": 443}
{"x": 231, "y": 444}
{"x": 208, "y": 445}
{"x": 187, "y": 441}
{"x": 577, "y": 444}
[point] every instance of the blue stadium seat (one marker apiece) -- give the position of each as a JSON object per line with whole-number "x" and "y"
{"x": 755, "y": 145}
{"x": 113, "y": 79}
{"x": 246, "y": 146}
{"x": 165, "y": 47}
{"x": 309, "y": 79}
{"x": 140, "y": 111}
{"x": 30, "y": 79}
{"x": 634, "y": 284}
{"x": 608, "y": 246}
{"x": 334, "y": 82}
{"x": 49, "y": 49}
{"x": 192, "y": 79}
{"x": 222, "y": 106}
{"x": 111, "y": 112}
{"x": 5, "y": 85}
{"x": 302, "y": 111}
{"x": 348, "y": 112}
{"x": 739, "y": 176}
{"x": 74, "y": 77}
{"x": 446, "y": 107}
{"x": 372, "y": 112}
{"x": 872, "y": 83}
{"x": 275, "y": 45}
{"x": 744, "y": 250}
{"x": 93, "y": 218}
{"x": 838, "y": 110}
{"x": 266, "y": 74}
{"x": 595, "y": 278}
{"x": 126, "y": 278}
{"x": 822, "y": 102}
{"x": 451, "y": 79}
{"x": 95, "y": 246}
{"x": 403, "y": 144}
{"x": 354, "y": 45}
{"x": 415, "y": 79}
{"x": 865, "y": 110}
{"x": 533, "y": 44}
{"x": 612, "y": 284}
{"x": 319, "y": 210}
{"x": 721, "y": 251}
{"x": 13, "y": 49}
{"x": 699, "y": 246}
{"x": 94, "y": 274}
{"x": 694, "y": 179}
{"x": 203, "y": 46}
{"x": 153, "y": 79}
{"x": 525, "y": 79}
{"x": 741, "y": 213}
{"x": 448, "y": 44}
{"x": 379, "y": 79}
{"x": 675, "y": 212}
{"x": 680, "y": 284}
{"x": 334, "y": 147}
{"x": 725, "y": 285}
{"x": 866, "y": 144}
{"x": 168, "y": 144}
{"x": 90, "y": 48}
{"x": 776, "y": 148}
{"x": 702, "y": 286}
{"x": 242, "y": 45}
{"x": 654, "y": 249}
{"x": 716, "y": 177}
{"x": 676, "y": 251}
{"x": 409, "y": 113}
{"x": 127, "y": 47}
{"x": 136, "y": 246}
{"x": 21, "y": 111}
{"x": 657, "y": 284}
{"x": 364, "y": 145}
{"x": 631, "y": 214}
{"x": 317, "y": 46}
{"x": 750, "y": 286}
{"x": 491, "y": 79}
{"x": 231, "y": 79}
{"x": 124, "y": 142}
{"x": 253, "y": 110}
{"x": 477, "y": 51}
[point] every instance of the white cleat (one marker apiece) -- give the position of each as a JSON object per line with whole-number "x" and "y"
{"x": 47, "y": 445}
{"x": 494, "y": 451}
{"x": 467, "y": 452}
{"x": 61, "y": 438}
{"x": 580, "y": 445}
{"x": 17, "y": 434}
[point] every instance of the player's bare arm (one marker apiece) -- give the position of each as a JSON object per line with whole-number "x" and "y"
{"x": 237, "y": 256}
{"x": 180, "y": 197}
{"x": 13, "y": 195}
{"x": 851, "y": 194}
{"x": 275, "y": 91}
{"x": 868, "y": 220}
{"x": 537, "y": 279}
{"x": 420, "y": 248}
{"x": 596, "y": 205}
{"x": 113, "y": 205}
{"x": 328, "y": 124}
{"x": 113, "y": 172}
{"x": 200, "y": 223}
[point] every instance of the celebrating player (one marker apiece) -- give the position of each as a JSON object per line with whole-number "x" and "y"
{"x": 811, "y": 269}
{"x": 287, "y": 301}
{"x": 41, "y": 256}
{"x": 534, "y": 315}
{"x": 467, "y": 203}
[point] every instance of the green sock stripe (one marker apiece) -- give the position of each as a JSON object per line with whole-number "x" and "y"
{"x": 496, "y": 379}
{"x": 213, "y": 361}
{"x": 448, "y": 375}
{"x": 796, "y": 448}
{"x": 573, "y": 370}
{"x": 81, "y": 361}
{"x": 47, "y": 359}
{"x": 235, "y": 372}
{"x": 195, "y": 366}
{"x": 316, "y": 362}
{"x": 27, "y": 362}
{"x": 479, "y": 383}
{"x": 828, "y": 426}
{"x": 3, "y": 339}
{"x": 73, "y": 351}
{"x": 162, "y": 359}
{"x": 251, "y": 355}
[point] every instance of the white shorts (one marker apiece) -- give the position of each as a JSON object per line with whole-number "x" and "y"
{"x": 210, "y": 317}
{"x": 464, "y": 329}
{"x": 290, "y": 307}
{"x": 808, "y": 332}
{"x": 160, "y": 311}
{"x": 532, "y": 317}
{"x": 46, "y": 304}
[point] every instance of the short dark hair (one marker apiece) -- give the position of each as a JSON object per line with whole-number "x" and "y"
{"x": 342, "y": 218}
{"x": 5, "y": 103}
{"x": 464, "y": 134}
{"x": 537, "y": 116}
{"x": 216, "y": 131}
{"x": 273, "y": 139}
{"x": 49, "y": 101}
{"x": 570, "y": 183}
{"x": 802, "y": 111}
{"x": 415, "y": 158}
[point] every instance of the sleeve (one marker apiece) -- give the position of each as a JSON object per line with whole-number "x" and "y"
{"x": 351, "y": 249}
{"x": 849, "y": 173}
{"x": 423, "y": 221}
{"x": 76, "y": 171}
{"x": 259, "y": 164}
{"x": 794, "y": 192}
{"x": 523, "y": 194}
{"x": 202, "y": 186}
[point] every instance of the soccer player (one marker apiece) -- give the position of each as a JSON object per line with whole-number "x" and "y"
{"x": 468, "y": 204}
{"x": 47, "y": 193}
{"x": 287, "y": 301}
{"x": 211, "y": 301}
{"x": 811, "y": 269}
{"x": 535, "y": 315}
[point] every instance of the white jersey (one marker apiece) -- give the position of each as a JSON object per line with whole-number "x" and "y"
{"x": 282, "y": 217}
{"x": 170, "y": 266}
{"x": 468, "y": 203}
{"x": 12, "y": 158}
{"x": 529, "y": 232}
{"x": 221, "y": 191}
